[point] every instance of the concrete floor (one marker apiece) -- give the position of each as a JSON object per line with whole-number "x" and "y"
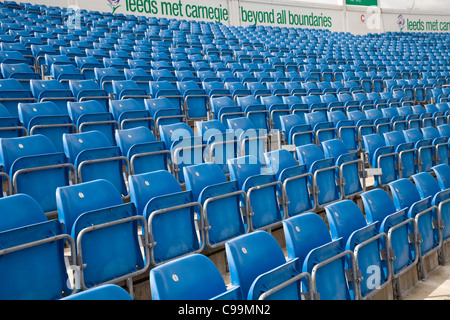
{"x": 435, "y": 287}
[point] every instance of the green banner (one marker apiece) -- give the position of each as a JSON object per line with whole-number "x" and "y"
{"x": 365, "y": 3}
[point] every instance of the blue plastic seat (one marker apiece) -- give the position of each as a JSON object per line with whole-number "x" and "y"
{"x": 102, "y": 292}
{"x": 221, "y": 143}
{"x": 90, "y": 115}
{"x": 142, "y": 150}
{"x": 186, "y": 148}
{"x": 276, "y": 108}
{"x": 44, "y": 279}
{"x": 347, "y": 221}
{"x": 140, "y": 76}
{"x": 12, "y": 93}
{"x": 255, "y": 274}
{"x": 224, "y": 108}
{"x": 27, "y": 161}
{"x": 84, "y": 90}
{"x": 325, "y": 174}
{"x": 105, "y": 230}
{"x": 323, "y": 129}
{"x": 397, "y": 224}
{"x": 419, "y": 202}
{"x": 129, "y": 113}
{"x": 350, "y": 166}
{"x": 252, "y": 141}
{"x": 440, "y": 144}
{"x": 296, "y": 131}
{"x": 168, "y": 90}
{"x": 407, "y": 154}
{"x": 128, "y": 89}
{"x": 170, "y": 215}
{"x": 163, "y": 111}
{"x": 10, "y": 127}
{"x": 87, "y": 66}
{"x": 221, "y": 201}
{"x": 20, "y": 71}
{"x": 196, "y": 101}
{"x": 105, "y": 77}
{"x": 381, "y": 156}
{"x": 20, "y": 210}
{"x": 47, "y": 119}
{"x": 54, "y": 91}
{"x": 194, "y": 277}
{"x": 425, "y": 150}
{"x": 65, "y": 73}
{"x": 261, "y": 189}
{"x": 296, "y": 182}
{"x": 95, "y": 157}
{"x": 254, "y": 110}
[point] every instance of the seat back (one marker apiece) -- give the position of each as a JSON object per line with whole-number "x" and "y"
{"x": 194, "y": 277}
{"x": 247, "y": 260}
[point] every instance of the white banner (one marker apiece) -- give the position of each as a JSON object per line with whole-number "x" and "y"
{"x": 339, "y": 18}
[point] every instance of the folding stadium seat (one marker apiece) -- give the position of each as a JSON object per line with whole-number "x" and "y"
{"x": 44, "y": 279}
{"x": 89, "y": 90}
{"x": 441, "y": 144}
{"x": 322, "y": 128}
{"x": 143, "y": 151}
{"x": 129, "y": 113}
{"x": 105, "y": 76}
{"x": 87, "y": 66}
{"x": 296, "y": 131}
{"x": 418, "y": 199}
{"x": 426, "y": 152}
{"x": 102, "y": 292}
{"x": 221, "y": 143}
{"x": 10, "y": 127}
{"x": 380, "y": 209}
{"x": 90, "y": 115}
{"x": 170, "y": 215}
{"x": 20, "y": 71}
{"x": 65, "y": 73}
{"x": 381, "y": 123}
{"x": 128, "y": 89}
{"x": 196, "y": 101}
{"x": 254, "y": 110}
{"x": 47, "y": 119}
{"x": 224, "y": 108}
{"x": 261, "y": 189}
{"x": 39, "y": 52}
{"x": 308, "y": 240}
{"x": 105, "y": 231}
{"x": 326, "y": 189}
{"x": 425, "y": 117}
{"x": 296, "y": 182}
{"x": 28, "y": 161}
{"x": 258, "y": 277}
{"x": 52, "y": 90}
{"x": 252, "y": 140}
{"x": 95, "y": 157}
{"x": 296, "y": 104}
{"x": 381, "y": 156}
{"x": 438, "y": 115}
{"x": 413, "y": 120}
{"x": 276, "y": 108}
{"x": 165, "y": 89}
{"x": 351, "y": 167}
{"x": 347, "y": 221}
{"x": 12, "y": 57}
{"x": 439, "y": 199}
{"x": 194, "y": 277}
{"x": 223, "y": 216}
{"x": 346, "y": 129}
{"x": 186, "y": 148}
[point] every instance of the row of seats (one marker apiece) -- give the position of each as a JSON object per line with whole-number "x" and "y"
{"x": 104, "y": 233}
